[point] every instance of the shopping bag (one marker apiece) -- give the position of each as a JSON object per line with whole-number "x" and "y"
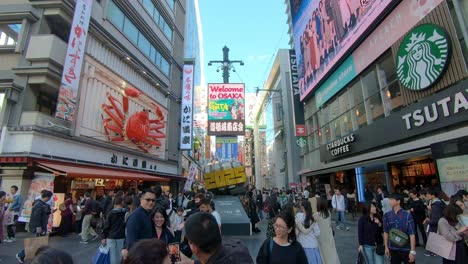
{"x": 8, "y": 218}
{"x": 360, "y": 258}
{"x": 438, "y": 245}
{"x": 32, "y": 244}
{"x": 102, "y": 255}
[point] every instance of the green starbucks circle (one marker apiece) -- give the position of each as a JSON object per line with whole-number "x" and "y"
{"x": 423, "y": 56}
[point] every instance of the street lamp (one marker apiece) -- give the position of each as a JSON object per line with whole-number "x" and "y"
{"x": 226, "y": 64}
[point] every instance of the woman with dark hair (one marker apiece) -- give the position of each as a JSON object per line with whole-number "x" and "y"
{"x": 307, "y": 231}
{"x": 2, "y": 212}
{"x": 148, "y": 251}
{"x": 326, "y": 241}
{"x": 161, "y": 220}
{"x": 448, "y": 228}
{"x": 462, "y": 218}
{"x": 252, "y": 212}
{"x": 283, "y": 248}
{"x": 370, "y": 230}
{"x": 66, "y": 211}
{"x": 48, "y": 255}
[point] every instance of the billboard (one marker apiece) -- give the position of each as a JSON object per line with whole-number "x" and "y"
{"x": 325, "y": 31}
{"x": 226, "y": 109}
{"x": 227, "y": 149}
{"x": 186, "y": 126}
{"x": 405, "y": 16}
{"x": 68, "y": 93}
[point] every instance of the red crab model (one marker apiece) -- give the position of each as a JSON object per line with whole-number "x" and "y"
{"x": 138, "y": 127}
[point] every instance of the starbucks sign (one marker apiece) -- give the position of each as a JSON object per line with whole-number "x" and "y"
{"x": 423, "y": 56}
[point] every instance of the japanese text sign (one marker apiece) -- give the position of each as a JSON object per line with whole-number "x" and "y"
{"x": 186, "y": 118}
{"x": 68, "y": 93}
{"x": 226, "y": 109}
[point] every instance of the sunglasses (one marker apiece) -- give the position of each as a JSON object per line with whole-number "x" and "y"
{"x": 150, "y": 200}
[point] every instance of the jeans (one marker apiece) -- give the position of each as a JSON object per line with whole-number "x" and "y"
{"x": 313, "y": 255}
{"x": 87, "y": 229}
{"x": 260, "y": 214}
{"x": 371, "y": 256}
{"x": 11, "y": 229}
{"x": 115, "y": 246}
{"x": 342, "y": 215}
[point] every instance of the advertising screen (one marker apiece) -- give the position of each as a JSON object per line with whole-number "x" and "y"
{"x": 226, "y": 109}
{"x": 325, "y": 30}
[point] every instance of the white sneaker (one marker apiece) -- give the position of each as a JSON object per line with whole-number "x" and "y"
{"x": 347, "y": 229}
{"x": 338, "y": 227}
{"x": 19, "y": 259}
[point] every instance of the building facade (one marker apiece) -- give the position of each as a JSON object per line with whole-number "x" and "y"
{"x": 277, "y": 155}
{"x": 131, "y": 74}
{"x": 393, "y": 111}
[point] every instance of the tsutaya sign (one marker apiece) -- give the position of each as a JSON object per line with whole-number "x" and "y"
{"x": 450, "y": 105}
{"x": 423, "y": 56}
{"x": 341, "y": 145}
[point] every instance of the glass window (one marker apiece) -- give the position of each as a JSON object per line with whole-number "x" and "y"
{"x": 116, "y": 15}
{"x": 387, "y": 71}
{"x": 327, "y": 135}
{"x": 165, "y": 67}
{"x": 171, "y": 3}
{"x": 346, "y": 123}
{"x": 336, "y": 128}
{"x": 167, "y": 31}
{"x": 9, "y": 34}
{"x": 370, "y": 84}
{"x": 144, "y": 45}
{"x": 131, "y": 31}
{"x": 392, "y": 96}
{"x": 149, "y": 6}
{"x": 355, "y": 93}
{"x": 359, "y": 112}
{"x": 343, "y": 102}
{"x": 156, "y": 16}
{"x": 375, "y": 105}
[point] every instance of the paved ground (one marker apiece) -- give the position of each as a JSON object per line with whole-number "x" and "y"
{"x": 346, "y": 242}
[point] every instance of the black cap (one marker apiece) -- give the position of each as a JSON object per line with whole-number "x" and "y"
{"x": 396, "y": 196}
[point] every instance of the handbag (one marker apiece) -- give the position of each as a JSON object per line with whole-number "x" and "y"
{"x": 439, "y": 245}
{"x": 32, "y": 244}
{"x": 102, "y": 255}
{"x": 380, "y": 249}
{"x": 360, "y": 258}
{"x": 398, "y": 237}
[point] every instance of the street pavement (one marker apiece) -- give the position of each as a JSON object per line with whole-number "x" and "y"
{"x": 346, "y": 243}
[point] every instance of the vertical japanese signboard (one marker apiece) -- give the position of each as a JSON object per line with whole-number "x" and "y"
{"x": 191, "y": 176}
{"x": 68, "y": 93}
{"x": 226, "y": 109}
{"x": 187, "y": 108}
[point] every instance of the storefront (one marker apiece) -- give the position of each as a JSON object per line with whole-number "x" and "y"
{"x": 387, "y": 122}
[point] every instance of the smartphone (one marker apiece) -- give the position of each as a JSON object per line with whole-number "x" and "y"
{"x": 174, "y": 252}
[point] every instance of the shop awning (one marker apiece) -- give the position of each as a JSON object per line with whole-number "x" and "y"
{"x": 75, "y": 171}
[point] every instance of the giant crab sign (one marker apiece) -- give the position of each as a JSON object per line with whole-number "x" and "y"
{"x": 138, "y": 128}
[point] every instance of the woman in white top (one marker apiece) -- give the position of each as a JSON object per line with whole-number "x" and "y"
{"x": 326, "y": 241}
{"x": 307, "y": 231}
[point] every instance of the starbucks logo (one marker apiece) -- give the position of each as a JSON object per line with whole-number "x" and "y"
{"x": 423, "y": 56}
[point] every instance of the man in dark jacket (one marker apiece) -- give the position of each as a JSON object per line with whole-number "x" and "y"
{"x": 39, "y": 220}
{"x": 205, "y": 241}
{"x": 418, "y": 210}
{"x": 139, "y": 224}
{"x": 435, "y": 212}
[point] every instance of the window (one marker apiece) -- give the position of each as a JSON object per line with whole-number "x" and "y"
{"x": 347, "y": 125}
{"x": 391, "y": 95}
{"x": 144, "y": 45}
{"x": 117, "y": 17}
{"x": 355, "y": 93}
{"x": 9, "y": 35}
{"x": 131, "y": 31}
{"x": 360, "y": 114}
{"x": 375, "y": 105}
{"x": 370, "y": 84}
{"x": 171, "y": 3}
{"x": 156, "y": 15}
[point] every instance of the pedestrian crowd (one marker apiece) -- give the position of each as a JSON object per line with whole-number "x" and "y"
{"x": 152, "y": 226}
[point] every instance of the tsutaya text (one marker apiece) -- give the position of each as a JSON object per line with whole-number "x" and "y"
{"x": 444, "y": 107}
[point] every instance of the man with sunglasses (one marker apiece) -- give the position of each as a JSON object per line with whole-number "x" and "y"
{"x": 139, "y": 224}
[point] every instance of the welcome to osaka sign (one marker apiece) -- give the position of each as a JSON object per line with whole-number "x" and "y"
{"x": 226, "y": 109}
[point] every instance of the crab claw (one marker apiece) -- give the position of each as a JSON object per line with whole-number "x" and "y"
{"x": 132, "y": 92}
